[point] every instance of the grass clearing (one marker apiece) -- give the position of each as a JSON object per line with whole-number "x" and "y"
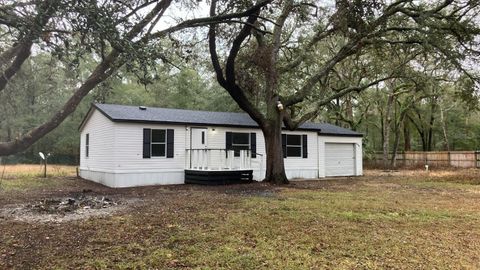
{"x": 36, "y": 170}
{"x": 373, "y": 222}
{"x": 30, "y": 176}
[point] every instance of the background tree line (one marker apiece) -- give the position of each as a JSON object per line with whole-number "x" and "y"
{"x": 421, "y": 114}
{"x": 403, "y": 72}
{"x": 30, "y": 101}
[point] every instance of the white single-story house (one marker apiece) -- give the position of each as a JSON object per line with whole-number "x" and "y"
{"x": 125, "y": 146}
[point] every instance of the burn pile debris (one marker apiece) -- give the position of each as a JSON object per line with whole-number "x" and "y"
{"x": 64, "y": 206}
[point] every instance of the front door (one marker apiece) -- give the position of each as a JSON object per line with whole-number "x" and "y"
{"x": 198, "y": 138}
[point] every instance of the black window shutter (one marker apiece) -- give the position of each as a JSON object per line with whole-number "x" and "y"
{"x": 146, "y": 142}
{"x": 284, "y": 145}
{"x": 304, "y": 146}
{"x": 170, "y": 142}
{"x": 253, "y": 144}
{"x": 228, "y": 140}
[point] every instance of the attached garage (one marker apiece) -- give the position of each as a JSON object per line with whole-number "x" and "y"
{"x": 340, "y": 155}
{"x": 339, "y": 159}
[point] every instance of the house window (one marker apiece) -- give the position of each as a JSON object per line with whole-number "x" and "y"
{"x": 87, "y": 144}
{"x": 294, "y": 145}
{"x": 240, "y": 141}
{"x": 158, "y": 143}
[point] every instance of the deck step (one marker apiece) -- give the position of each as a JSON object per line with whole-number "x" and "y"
{"x": 204, "y": 177}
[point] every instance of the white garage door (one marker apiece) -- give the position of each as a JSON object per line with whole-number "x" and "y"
{"x": 339, "y": 159}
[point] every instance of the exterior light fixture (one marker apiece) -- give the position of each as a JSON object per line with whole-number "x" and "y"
{"x": 279, "y": 105}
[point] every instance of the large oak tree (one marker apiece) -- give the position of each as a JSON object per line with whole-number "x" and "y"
{"x": 279, "y": 65}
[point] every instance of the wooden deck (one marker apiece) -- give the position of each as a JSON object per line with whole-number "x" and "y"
{"x": 218, "y": 177}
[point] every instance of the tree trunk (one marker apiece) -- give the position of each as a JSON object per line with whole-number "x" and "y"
{"x": 430, "y": 125}
{"x": 386, "y": 130}
{"x": 385, "y": 146}
{"x": 446, "y": 145}
{"x": 393, "y": 162}
{"x": 381, "y": 129}
{"x": 275, "y": 170}
{"x": 349, "y": 107}
{"x": 406, "y": 136}
{"x": 424, "y": 142}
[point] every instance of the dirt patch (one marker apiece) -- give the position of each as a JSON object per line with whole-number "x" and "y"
{"x": 251, "y": 190}
{"x": 76, "y": 207}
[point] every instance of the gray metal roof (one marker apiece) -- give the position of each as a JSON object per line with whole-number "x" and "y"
{"x": 123, "y": 113}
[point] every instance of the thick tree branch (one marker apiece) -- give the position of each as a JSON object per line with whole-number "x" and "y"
{"x": 347, "y": 50}
{"x": 211, "y": 20}
{"x": 22, "y": 54}
{"x": 9, "y": 54}
{"x": 99, "y": 74}
{"x": 102, "y": 72}
{"x": 292, "y": 124}
{"x": 228, "y": 80}
{"x": 277, "y": 30}
{"x": 21, "y": 51}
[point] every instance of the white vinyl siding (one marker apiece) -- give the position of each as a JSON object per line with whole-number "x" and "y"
{"x": 101, "y": 134}
{"x": 129, "y": 150}
{"x": 299, "y": 167}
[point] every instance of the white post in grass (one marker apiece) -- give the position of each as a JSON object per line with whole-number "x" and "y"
{"x": 44, "y": 158}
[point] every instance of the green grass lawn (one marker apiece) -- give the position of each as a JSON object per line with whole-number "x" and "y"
{"x": 401, "y": 222}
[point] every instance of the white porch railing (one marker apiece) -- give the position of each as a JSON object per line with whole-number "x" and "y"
{"x": 218, "y": 159}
